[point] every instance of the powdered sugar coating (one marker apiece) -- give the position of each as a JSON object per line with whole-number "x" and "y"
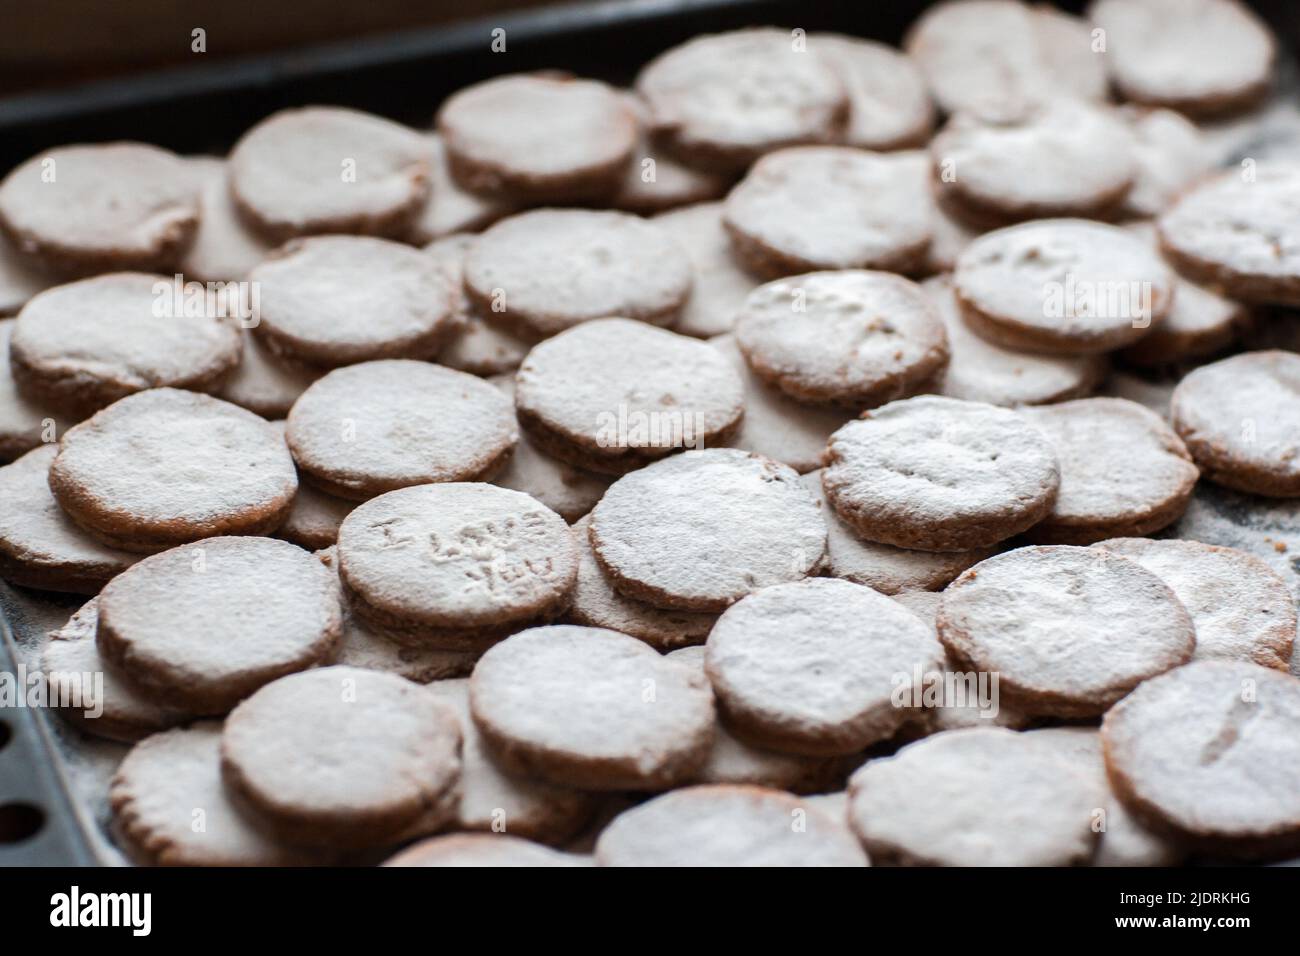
{"x": 976, "y": 797}
{"x": 940, "y": 474}
{"x": 828, "y": 207}
{"x": 1070, "y": 630}
{"x": 224, "y": 248}
{"x": 450, "y": 208}
{"x": 812, "y": 667}
{"x": 655, "y": 181}
{"x": 1242, "y": 609}
{"x": 889, "y": 104}
{"x": 22, "y": 421}
{"x": 853, "y": 338}
{"x": 722, "y": 100}
{"x": 485, "y": 850}
{"x": 592, "y": 708}
{"x": 540, "y": 272}
{"x": 1211, "y": 750}
{"x": 726, "y": 826}
{"x": 19, "y": 280}
{"x": 265, "y": 383}
{"x": 700, "y": 530}
{"x": 721, "y": 285}
{"x": 1171, "y": 154}
{"x": 1123, "y": 470}
{"x": 365, "y": 429}
{"x": 476, "y": 347}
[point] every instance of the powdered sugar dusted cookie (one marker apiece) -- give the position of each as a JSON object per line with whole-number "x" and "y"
{"x": 1200, "y": 57}
{"x": 475, "y": 347}
{"x": 701, "y": 530}
{"x": 164, "y": 466}
{"x": 366, "y": 429}
{"x": 852, "y": 338}
{"x": 539, "y": 138}
{"x": 813, "y": 667}
{"x": 727, "y": 826}
{"x": 720, "y": 101}
{"x": 613, "y": 394}
{"x": 889, "y": 104}
{"x": 540, "y": 272}
{"x": 265, "y": 383}
{"x": 1063, "y": 286}
{"x": 238, "y": 613}
{"x": 940, "y": 474}
{"x": 224, "y": 248}
{"x": 40, "y": 546}
{"x": 336, "y": 300}
{"x": 1171, "y": 154}
{"x": 485, "y": 850}
{"x": 81, "y": 346}
{"x": 322, "y": 169}
{"x": 19, "y": 279}
{"x": 1228, "y": 414}
{"x": 456, "y": 564}
{"x": 775, "y": 425}
{"x": 79, "y": 210}
{"x": 597, "y": 604}
{"x": 110, "y": 707}
{"x": 1061, "y": 158}
{"x": 1243, "y": 611}
{"x": 828, "y": 207}
{"x": 591, "y": 708}
{"x": 170, "y": 782}
{"x": 655, "y": 181}
{"x": 883, "y": 567}
{"x": 303, "y": 758}
{"x": 24, "y": 424}
{"x": 492, "y": 800}
{"x": 1236, "y": 231}
{"x": 450, "y": 208}
{"x": 976, "y": 797}
{"x": 1070, "y": 630}
{"x": 313, "y": 522}
{"x": 1209, "y": 752}
{"x": 721, "y": 285}
{"x": 980, "y": 371}
{"x": 996, "y": 57}
{"x": 1123, "y": 471}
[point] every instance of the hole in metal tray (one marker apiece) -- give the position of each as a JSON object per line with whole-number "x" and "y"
{"x": 19, "y": 822}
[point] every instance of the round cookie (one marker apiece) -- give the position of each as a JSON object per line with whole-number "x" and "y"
{"x": 81, "y": 346}
{"x": 813, "y": 667}
{"x": 265, "y": 383}
{"x": 314, "y": 520}
{"x": 163, "y": 467}
{"x": 324, "y": 169}
{"x": 237, "y": 614}
{"x": 775, "y": 425}
{"x": 1062, "y": 286}
{"x": 24, "y": 424}
{"x": 1208, "y": 753}
{"x": 998, "y": 57}
{"x": 1069, "y": 630}
{"x": 451, "y": 209}
{"x": 889, "y": 104}
{"x": 1123, "y": 471}
{"x": 983, "y": 796}
{"x": 1228, "y": 414}
{"x": 940, "y": 474}
{"x": 475, "y": 347}
{"x": 851, "y": 338}
{"x": 483, "y": 850}
{"x": 722, "y": 100}
{"x": 593, "y": 709}
{"x": 700, "y": 530}
{"x": 721, "y": 285}
{"x": 79, "y": 210}
{"x": 224, "y": 248}
{"x": 170, "y": 782}
{"x": 1202, "y": 57}
{"x": 979, "y": 371}
{"x": 1061, "y": 158}
{"x": 19, "y": 279}
{"x": 305, "y": 759}
{"x": 726, "y": 826}
{"x": 456, "y": 565}
{"x": 828, "y": 207}
{"x": 337, "y": 300}
{"x": 1237, "y": 234}
{"x": 883, "y": 567}
{"x": 1171, "y": 154}
{"x": 367, "y": 429}
{"x": 612, "y": 395}
{"x": 496, "y": 802}
{"x": 597, "y": 604}
{"x": 39, "y": 546}
{"x": 541, "y": 272}
{"x": 655, "y": 181}
{"x": 90, "y": 694}
{"x": 538, "y": 138}
{"x": 1242, "y": 609}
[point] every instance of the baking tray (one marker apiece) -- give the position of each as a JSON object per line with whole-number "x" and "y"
{"x": 54, "y": 780}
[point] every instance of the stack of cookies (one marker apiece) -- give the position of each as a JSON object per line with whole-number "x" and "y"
{"x": 638, "y": 476}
